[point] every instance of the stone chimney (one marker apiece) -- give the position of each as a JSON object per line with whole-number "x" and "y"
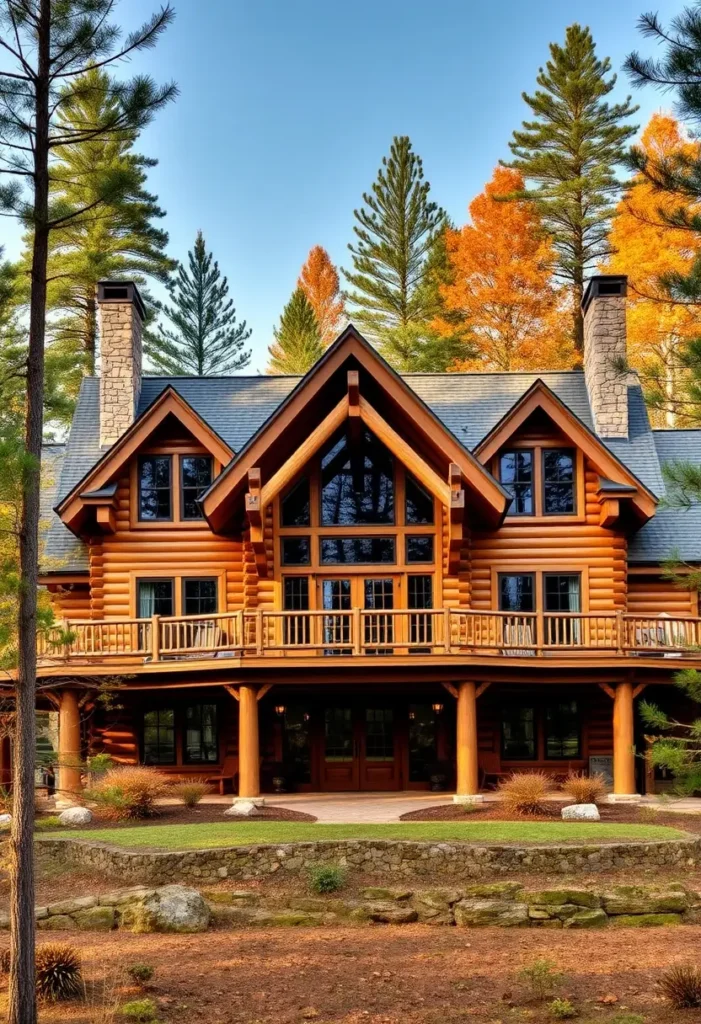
{"x": 604, "y": 308}
{"x": 121, "y": 323}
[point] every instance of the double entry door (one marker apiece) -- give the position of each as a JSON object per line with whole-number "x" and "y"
{"x": 360, "y": 747}
{"x": 371, "y": 593}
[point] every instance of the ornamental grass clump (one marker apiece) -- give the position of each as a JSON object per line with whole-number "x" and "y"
{"x": 130, "y": 791}
{"x": 190, "y": 791}
{"x": 585, "y": 789}
{"x": 326, "y": 878}
{"x": 58, "y": 973}
{"x": 525, "y": 792}
{"x": 682, "y": 986}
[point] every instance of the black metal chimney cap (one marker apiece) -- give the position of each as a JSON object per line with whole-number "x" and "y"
{"x": 121, "y": 291}
{"x": 605, "y": 286}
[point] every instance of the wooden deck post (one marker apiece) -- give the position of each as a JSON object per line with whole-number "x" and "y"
{"x": 466, "y": 742}
{"x": 623, "y": 741}
{"x": 69, "y": 772}
{"x": 249, "y": 752}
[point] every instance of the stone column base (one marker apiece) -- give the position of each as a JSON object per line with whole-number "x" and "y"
{"x": 468, "y": 798}
{"x": 257, "y": 801}
{"x": 623, "y": 798}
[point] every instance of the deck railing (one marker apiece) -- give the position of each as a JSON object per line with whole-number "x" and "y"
{"x": 357, "y": 631}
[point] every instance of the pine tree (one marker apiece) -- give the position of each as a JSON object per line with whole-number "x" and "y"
{"x": 206, "y": 339}
{"x": 298, "y": 342}
{"x": 568, "y": 156}
{"x": 109, "y": 241}
{"x": 503, "y": 263}
{"x": 647, "y": 248}
{"x": 396, "y": 230}
{"x": 319, "y": 282}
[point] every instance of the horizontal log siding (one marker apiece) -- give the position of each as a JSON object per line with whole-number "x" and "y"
{"x": 72, "y": 604}
{"x": 455, "y": 585}
{"x": 185, "y": 551}
{"x": 651, "y": 595}
{"x": 526, "y": 546}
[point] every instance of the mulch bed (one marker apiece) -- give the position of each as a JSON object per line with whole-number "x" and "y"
{"x": 203, "y": 814}
{"x": 384, "y": 974}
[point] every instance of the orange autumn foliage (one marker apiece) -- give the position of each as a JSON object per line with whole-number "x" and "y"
{"x": 645, "y": 248}
{"x": 502, "y": 282}
{"x": 319, "y": 282}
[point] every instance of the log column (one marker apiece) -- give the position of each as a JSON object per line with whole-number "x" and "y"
{"x": 466, "y": 744}
{"x": 69, "y": 771}
{"x": 249, "y": 748}
{"x": 623, "y": 741}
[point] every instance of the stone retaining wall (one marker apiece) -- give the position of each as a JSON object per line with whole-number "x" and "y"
{"x": 399, "y": 859}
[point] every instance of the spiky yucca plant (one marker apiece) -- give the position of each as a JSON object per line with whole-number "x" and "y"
{"x": 682, "y": 986}
{"x": 58, "y": 972}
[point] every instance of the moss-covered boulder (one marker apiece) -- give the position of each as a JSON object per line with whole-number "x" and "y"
{"x": 645, "y": 920}
{"x": 503, "y": 914}
{"x": 595, "y": 918}
{"x": 560, "y": 897}
{"x": 96, "y": 919}
{"x": 174, "y": 908}
{"x": 494, "y": 891}
{"x": 377, "y": 892}
{"x": 391, "y": 913}
{"x": 57, "y": 923}
{"x": 639, "y": 899}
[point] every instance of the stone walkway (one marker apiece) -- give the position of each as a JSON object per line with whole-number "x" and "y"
{"x": 365, "y": 808}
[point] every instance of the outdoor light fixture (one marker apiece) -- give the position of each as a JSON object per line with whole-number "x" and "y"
{"x": 437, "y": 708}
{"x": 280, "y": 709}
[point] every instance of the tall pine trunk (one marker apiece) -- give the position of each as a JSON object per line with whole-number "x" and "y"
{"x": 22, "y": 994}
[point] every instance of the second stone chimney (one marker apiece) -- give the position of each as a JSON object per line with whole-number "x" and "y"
{"x": 604, "y": 308}
{"x": 121, "y": 324}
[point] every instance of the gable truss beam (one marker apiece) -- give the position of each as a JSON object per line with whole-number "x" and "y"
{"x": 456, "y": 514}
{"x": 255, "y": 516}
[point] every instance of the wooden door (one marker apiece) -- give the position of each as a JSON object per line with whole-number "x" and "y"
{"x": 340, "y": 762}
{"x": 380, "y": 755}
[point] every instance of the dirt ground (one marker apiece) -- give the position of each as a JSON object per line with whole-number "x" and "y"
{"x": 409, "y": 974}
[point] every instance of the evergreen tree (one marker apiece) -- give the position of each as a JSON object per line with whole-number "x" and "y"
{"x": 206, "y": 339}
{"x": 569, "y": 153}
{"x": 108, "y": 241}
{"x": 396, "y": 230}
{"x": 298, "y": 342}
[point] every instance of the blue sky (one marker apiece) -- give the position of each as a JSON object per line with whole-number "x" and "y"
{"x": 286, "y": 108}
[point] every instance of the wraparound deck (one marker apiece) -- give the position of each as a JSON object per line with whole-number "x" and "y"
{"x": 357, "y": 632}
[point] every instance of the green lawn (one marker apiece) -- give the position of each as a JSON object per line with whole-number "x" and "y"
{"x": 205, "y": 836}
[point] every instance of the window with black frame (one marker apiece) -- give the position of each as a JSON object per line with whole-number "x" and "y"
{"x": 201, "y": 737}
{"x": 155, "y": 488}
{"x": 516, "y": 476}
{"x": 559, "y": 496}
{"x": 562, "y": 731}
{"x": 357, "y": 484}
{"x": 420, "y": 597}
{"x": 195, "y": 478}
{"x": 562, "y": 595}
{"x": 518, "y": 734}
{"x": 295, "y": 598}
{"x": 159, "y": 736}
{"x": 379, "y": 628}
{"x": 199, "y": 597}
{"x": 517, "y": 595}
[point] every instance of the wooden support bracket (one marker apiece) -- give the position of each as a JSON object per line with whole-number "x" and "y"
{"x": 106, "y": 518}
{"x": 608, "y": 689}
{"x": 481, "y": 688}
{"x": 453, "y": 690}
{"x": 263, "y": 690}
{"x": 232, "y": 691}
{"x": 610, "y": 512}
{"x": 254, "y": 513}
{"x": 456, "y": 514}
{"x": 637, "y": 690}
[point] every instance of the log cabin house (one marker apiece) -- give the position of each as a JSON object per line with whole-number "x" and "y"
{"x": 361, "y": 580}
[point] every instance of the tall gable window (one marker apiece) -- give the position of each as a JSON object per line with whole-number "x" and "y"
{"x": 418, "y": 503}
{"x": 155, "y": 487}
{"x": 295, "y": 506}
{"x": 195, "y": 478}
{"x": 558, "y": 481}
{"x": 357, "y": 483}
{"x": 516, "y": 474}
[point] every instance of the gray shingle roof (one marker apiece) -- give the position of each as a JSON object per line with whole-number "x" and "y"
{"x": 469, "y": 404}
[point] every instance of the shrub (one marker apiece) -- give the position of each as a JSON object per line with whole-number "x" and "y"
{"x": 140, "y": 973}
{"x": 143, "y": 1011}
{"x": 98, "y": 764}
{"x": 45, "y": 824}
{"x": 130, "y": 791}
{"x": 585, "y": 789}
{"x": 525, "y": 792}
{"x": 58, "y": 972}
{"x": 190, "y": 791}
{"x": 648, "y": 814}
{"x": 541, "y": 976}
{"x": 326, "y": 878}
{"x": 682, "y": 986}
{"x": 562, "y": 1009}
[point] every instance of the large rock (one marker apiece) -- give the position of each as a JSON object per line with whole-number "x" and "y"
{"x": 581, "y": 812}
{"x": 587, "y": 919}
{"x": 5, "y": 820}
{"x": 241, "y": 809}
{"x": 638, "y": 899}
{"x": 559, "y": 897}
{"x": 96, "y": 919}
{"x": 75, "y": 816}
{"x": 645, "y": 920}
{"x": 475, "y": 913}
{"x": 391, "y": 913}
{"x": 174, "y": 908}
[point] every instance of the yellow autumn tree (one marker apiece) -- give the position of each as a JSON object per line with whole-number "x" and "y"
{"x": 502, "y": 265}
{"x": 646, "y": 247}
{"x": 319, "y": 282}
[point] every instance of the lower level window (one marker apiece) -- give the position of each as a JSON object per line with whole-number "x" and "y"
{"x": 201, "y": 734}
{"x": 159, "y": 736}
{"x": 562, "y": 740}
{"x": 518, "y": 734}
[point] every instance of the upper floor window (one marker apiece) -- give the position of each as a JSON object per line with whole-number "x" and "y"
{"x": 155, "y": 487}
{"x": 418, "y": 503}
{"x": 357, "y": 484}
{"x": 155, "y": 597}
{"x": 558, "y": 481}
{"x": 195, "y": 478}
{"x": 516, "y": 474}
{"x": 295, "y": 506}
